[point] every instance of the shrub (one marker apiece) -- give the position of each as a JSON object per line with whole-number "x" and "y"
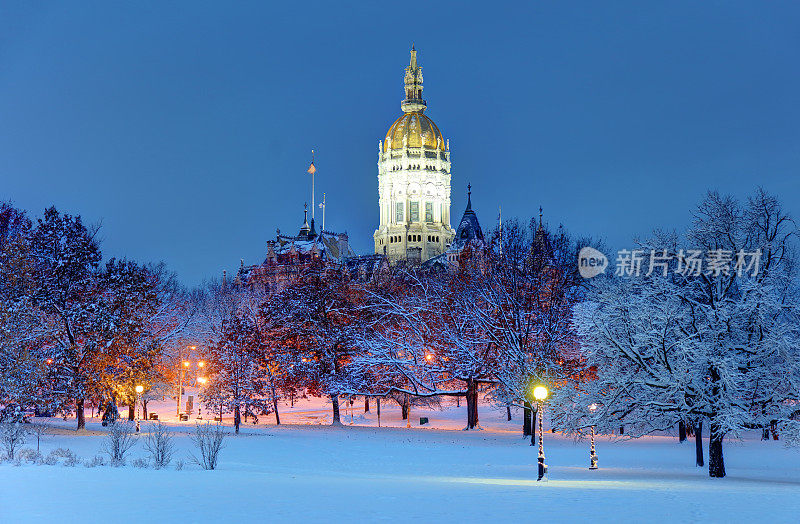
{"x": 120, "y": 439}
{"x": 178, "y": 465}
{"x": 160, "y": 446}
{"x": 12, "y": 437}
{"x": 31, "y": 456}
{"x": 96, "y": 461}
{"x": 208, "y": 438}
{"x": 70, "y": 459}
{"x": 140, "y": 463}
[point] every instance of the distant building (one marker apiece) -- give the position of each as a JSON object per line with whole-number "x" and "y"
{"x": 288, "y": 255}
{"x": 413, "y": 182}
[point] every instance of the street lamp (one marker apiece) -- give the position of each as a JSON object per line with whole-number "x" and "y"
{"x": 540, "y": 393}
{"x": 138, "y": 390}
{"x": 184, "y": 365}
{"x": 202, "y": 381}
{"x": 592, "y": 454}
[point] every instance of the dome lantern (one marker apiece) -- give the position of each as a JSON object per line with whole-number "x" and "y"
{"x": 413, "y": 129}
{"x": 413, "y": 102}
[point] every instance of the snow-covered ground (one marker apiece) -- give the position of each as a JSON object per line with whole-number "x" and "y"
{"x": 305, "y": 471}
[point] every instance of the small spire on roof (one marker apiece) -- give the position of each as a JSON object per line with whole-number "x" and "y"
{"x": 469, "y": 197}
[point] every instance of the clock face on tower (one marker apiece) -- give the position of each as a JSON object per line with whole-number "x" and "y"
{"x": 413, "y": 181}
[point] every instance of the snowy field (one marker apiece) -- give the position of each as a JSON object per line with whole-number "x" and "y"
{"x": 305, "y": 471}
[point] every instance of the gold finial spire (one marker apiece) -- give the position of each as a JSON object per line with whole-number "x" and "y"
{"x": 413, "y": 102}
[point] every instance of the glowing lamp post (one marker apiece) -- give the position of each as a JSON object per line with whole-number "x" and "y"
{"x": 540, "y": 393}
{"x": 202, "y": 381}
{"x": 184, "y": 365}
{"x": 138, "y": 390}
{"x": 592, "y": 454}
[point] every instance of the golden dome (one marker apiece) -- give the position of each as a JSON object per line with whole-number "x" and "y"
{"x": 414, "y": 130}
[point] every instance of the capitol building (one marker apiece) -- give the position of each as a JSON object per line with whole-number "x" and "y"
{"x": 413, "y": 182}
{"x": 413, "y": 201}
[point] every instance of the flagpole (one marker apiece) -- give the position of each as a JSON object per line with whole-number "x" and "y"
{"x": 312, "y": 185}
{"x": 500, "y": 220}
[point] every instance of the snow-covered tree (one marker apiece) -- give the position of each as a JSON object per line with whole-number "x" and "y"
{"x": 312, "y": 325}
{"x": 529, "y": 283}
{"x": 67, "y": 257}
{"x": 424, "y": 340}
{"x": 500, "y": 321}
{"x": 716, "y": 342}
{"x": 237, "y": 381}
{"x": 23, "y": 326}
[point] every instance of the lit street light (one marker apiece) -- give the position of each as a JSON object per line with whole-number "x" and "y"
{"x": 138, "y": 390}
{"x": 540, "y": 393}
{"x": 184, "y": 365}
{"x": 592, "y": 454}
{"x": 202, "y": 381}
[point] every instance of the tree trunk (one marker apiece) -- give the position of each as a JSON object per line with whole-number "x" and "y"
{"x": 764, "y": 433}
{"x": 534, "y": 415}
{"x": 698, "y": 443}
{"x": 144, "y": 409}
{"x": 378, "y": 404}
{"x": 404, "y": 407}
{"x": 681, "y": 431}
{"x": 130, "y": 412}
{"x": 472, "y": 404}
{"x": 80, "y": 415}
{"x": 275, "y": 407}
{"x": 773, "y": 426}
{"x": 366, "y": 404}
{"x": 337, "y": 421}
{"x": 716, "y": 463}
{"x": 508, "y": 412}
{"x": 526, "y": 419}
{"x": 236, "y": 417}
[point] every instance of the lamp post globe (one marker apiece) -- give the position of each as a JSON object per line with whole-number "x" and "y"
{"x": 540, "y": 393}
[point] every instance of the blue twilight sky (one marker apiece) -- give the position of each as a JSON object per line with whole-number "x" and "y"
{"x": 186, "y": 127}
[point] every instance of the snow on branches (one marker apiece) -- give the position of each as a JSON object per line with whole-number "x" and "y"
{"x": 720, "y": 346}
